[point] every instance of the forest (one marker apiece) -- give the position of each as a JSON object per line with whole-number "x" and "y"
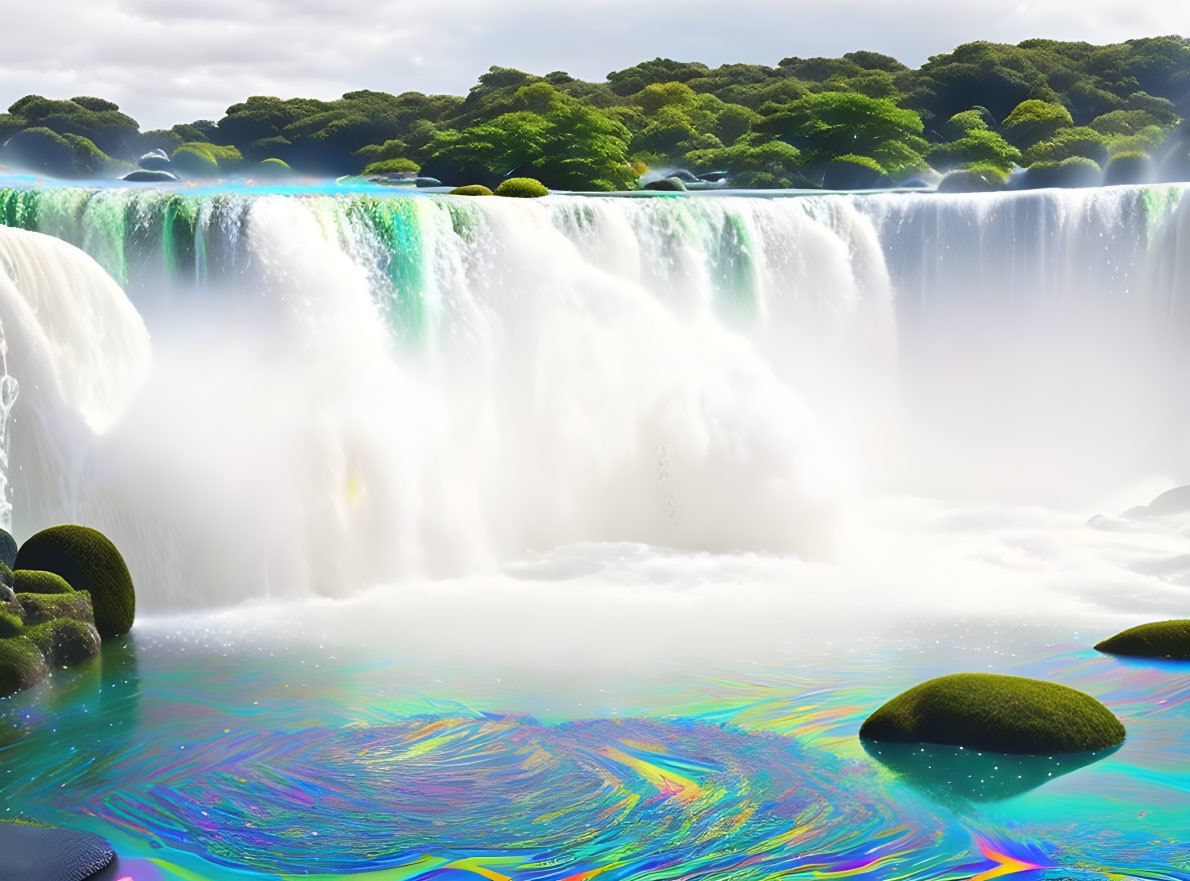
{"x": 1064, "y": 111}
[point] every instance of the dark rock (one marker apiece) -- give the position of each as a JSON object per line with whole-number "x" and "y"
{"x": 144, "y": 175}
{"x": 43, "y": 853}
{"x": 1129, "y": 168}
{"x": 1067, "y": 174}
{"x": 8, "y": 549}
{"x": 666, "y": 184}
{"x": 843, "y": 175}
{"x": 713, "y": 177}
{"x": 686, "y": 177}
{"x": 1007, "y": 714}
{"x": 427, "y": 182}
{"x": 155, "y": 160}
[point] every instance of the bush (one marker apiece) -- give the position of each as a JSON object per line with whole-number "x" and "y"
{"x": 21, "y": 665}
{"x": 392, "y": 166}
{"x": 203, "y": 159}
{"x": 1080, "y": 141}
{"x": 1129, "y": 167}
{"x": 850, "y": 172}
{"x": 64, "y": 642}
{"x": 471, "y": 190}
{"x": 976, "y": 146}
{"x": 1006, "y": 714}
{"x": 89, "y": 562}
{"x": 40, "y": 149}
{"x": 1161, "y": 639}
{"x": 1032, "y": 121}
{"x": 522, "y": 188}
{"x": 35, "y": 581}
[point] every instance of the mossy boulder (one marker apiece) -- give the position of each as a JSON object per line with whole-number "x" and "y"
{"x": 64, "y": 642}
{"x": 471, "y": 190}
{"x": 148, "y": 176}
{"x": 970, "y": 180}
{"x": 21, "y": 665}
{"x": 1007, "y": 714}
{"x": 8, "y": 549}
{"x": 667, "y": 184}
{"x": 1077, "y": 171}
{"x": 89, "y": 562}
{"x": 1160, "y": 639}
{"x": 36, "y": 581}
{"x": 522, "y": 188}
{"x": 1129, "y": 167}
{"x": 37, "y": 608}
{"x": 10, "y": 624}
{"x": 855, "y": 173}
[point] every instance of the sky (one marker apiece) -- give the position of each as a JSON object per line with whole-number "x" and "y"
{"x": 168, "y": 61}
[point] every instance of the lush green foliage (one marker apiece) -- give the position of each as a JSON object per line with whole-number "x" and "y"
{"x": 471, "y": 190}
{"x": 89, "y": 562}
{"x": 1161, "y": 639}
{"x": 34, "y": 581}
{"x": 986, "y": 104}
{"x": 1000, "y": 713}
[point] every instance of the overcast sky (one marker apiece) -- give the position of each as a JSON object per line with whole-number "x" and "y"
{"x": 167, "y": 61}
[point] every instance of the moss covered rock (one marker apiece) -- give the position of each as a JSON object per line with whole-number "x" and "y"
{"x": 21, "y": 665}
{"x": 89, "y": 562}
{"x": 1161, "y": 639}
{"x": 972, "y": 180}
{"x": 37, "y": 608}
{"x": 854, "y": 173}
{"x": 36, "y": 581}
{"x": 471, "y": 190}
{"x": 522, "y": 188}
{"x": 667, "y": 184}
{"x": 1077, "y": 171}
{"x": 64, "y": 642}
{"x": 10, "y": 624}
{"x": 1006, "y": 714}
{"x": 1129, "y": 167}
{"x": 8, "y": 549}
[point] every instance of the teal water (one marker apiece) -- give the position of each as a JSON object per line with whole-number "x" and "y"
{"x": 210, "y": 758}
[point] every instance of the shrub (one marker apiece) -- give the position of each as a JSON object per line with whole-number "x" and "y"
{"x": 392, "y": 166}
{"x": 1161, "y": 639}
{"x": 850, "y": 172}
{"x": 522, "y": 188}
{"x": 1006, "y": 714}
{"x": 471, "y": 190}
{"x": 21, "y": 665}
{"x": 976, "y": 146}
{"x": 1069, "y": 142}
{"x": 35, "y": 581}
{"x": 1032, "y": 121}
{"x": 89, "y": 562}
{"x": 204, "y": 159}
{"x": 1077, "y": 171}
{"x": 41, "y": 149}
{"x": 974, "y": 179}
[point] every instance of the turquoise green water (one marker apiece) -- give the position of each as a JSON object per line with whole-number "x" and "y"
{"x": 202, "y": 758}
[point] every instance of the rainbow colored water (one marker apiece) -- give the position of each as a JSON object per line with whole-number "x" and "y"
{"x": 203, "y": 758}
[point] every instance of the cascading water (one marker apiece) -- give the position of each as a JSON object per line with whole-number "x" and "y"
{"x": 347, "y": 390}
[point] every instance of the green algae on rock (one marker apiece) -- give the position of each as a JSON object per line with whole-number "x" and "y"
{"x": 522, "y": 188}
{"x": 88, "y": 561}
{"x": 1160, "y": 639}
{"x": 1008, "y": 714}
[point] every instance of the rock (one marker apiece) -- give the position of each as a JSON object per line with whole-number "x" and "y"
{"x": 1007, "y": 714}
{"x": 146, "y": 176}
{"x": 1130, "y": 167}
{"x": 1067, "y": 174}
{"x": 970, "y": 181}
{"x": 1161, "y": 639}
{"x": 666, "y": 184}
{"x": 427, "y": 182}
{"x": 21, "y": 665}
{"x": 471, "y": 190}
{"x": 843, "y": 174}
{"x": 89, "y": 562}
{"x": 155, "y": 160}
{"x": 35, "y": 581}
{"x": 522, "y": 188}
{"x": 1174, "y": 501}
{"x": 8, "y": 549}
{"x": 64, "y": 642}
{"x": 49, "y": 854}
{"x": 686, "y": 177}
{"x": 713, "y": 177}
{"x": 38, "y": 608}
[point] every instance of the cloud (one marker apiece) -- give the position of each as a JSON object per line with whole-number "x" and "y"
{"x": 166, "y": 61}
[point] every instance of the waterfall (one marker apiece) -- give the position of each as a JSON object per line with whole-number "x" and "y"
{"x": 348, "y": 390}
